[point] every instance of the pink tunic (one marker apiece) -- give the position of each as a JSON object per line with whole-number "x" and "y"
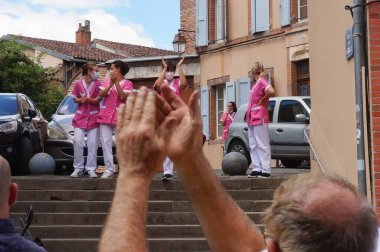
{"x": 111, "y": 102}
{"x": 86, "y": 115}
{"x": 230, "y": 118}
{"x": 174, "y": 85}
{"x": 258, "y": 114}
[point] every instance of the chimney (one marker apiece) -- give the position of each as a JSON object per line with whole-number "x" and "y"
{"x": 83, "y": 34}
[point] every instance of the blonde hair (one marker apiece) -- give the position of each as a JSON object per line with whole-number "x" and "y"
{"x": 258, "y": 68}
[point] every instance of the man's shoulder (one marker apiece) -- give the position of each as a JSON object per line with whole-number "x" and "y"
{"x": 18, "y": 243}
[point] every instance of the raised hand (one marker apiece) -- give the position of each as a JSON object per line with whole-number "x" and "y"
{"x": 186, "y": 140}
{"x": 141, "y": 137}
{"x": 164, "y": 65}
{"x": 181, "y": 61}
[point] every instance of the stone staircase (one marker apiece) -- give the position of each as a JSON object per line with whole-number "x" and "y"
{"x": 70, "y": 213}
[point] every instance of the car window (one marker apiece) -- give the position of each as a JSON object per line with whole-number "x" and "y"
{"x": 67, "y": 106}
{"x": 25, "y": 106}
{"x": 308, "y": 102}
{"x": 289, "y": 109}
{"x": 271, "y": 106}
{"x": 8, "y": 105}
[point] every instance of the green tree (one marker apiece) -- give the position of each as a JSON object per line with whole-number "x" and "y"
{"x": 21, "y": 74}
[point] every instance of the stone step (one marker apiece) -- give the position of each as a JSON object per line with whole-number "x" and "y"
{"x": 67, "y": 183}
{"x": 107, "y": 195}
{"x": 155, "y": 244}
{"x": 158, "y": 218}
{"x": 52, "y": 206}
{"x": 94, "y": 231}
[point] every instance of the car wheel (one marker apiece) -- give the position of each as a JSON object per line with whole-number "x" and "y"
{"x": 291, "y": 163}
{"x": 239, "y": 146}
{"x": 25, "y": 154}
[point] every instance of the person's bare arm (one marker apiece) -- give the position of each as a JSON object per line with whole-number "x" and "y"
{"x": 215, "y": 209}
{"x": 161, "y": 78}
{"x": 268, "y": 93}
{"x": 120, "y": 92}
{"x": 139, "y": 139}
{"x": 105, "y": 91}
{"x": 182, "y": 77}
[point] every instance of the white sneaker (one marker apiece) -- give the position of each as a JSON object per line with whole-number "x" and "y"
{"x": 107, "y": 174}
{"x": 76, "y": 173}
{"x": 92, "y": 174}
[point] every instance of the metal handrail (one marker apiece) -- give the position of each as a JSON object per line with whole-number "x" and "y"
{"x": 313, "y": 150}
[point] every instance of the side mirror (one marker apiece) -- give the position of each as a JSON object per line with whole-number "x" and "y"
{"x": 301, "y": 118}
{"x": 32, "y": 113}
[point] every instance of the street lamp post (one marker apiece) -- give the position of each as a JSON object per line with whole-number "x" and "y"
{"x": 179, "y": 41}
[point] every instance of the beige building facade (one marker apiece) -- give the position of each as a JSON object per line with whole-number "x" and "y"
{"x": 333, "y": 120}
{"x": 231, "y": 36}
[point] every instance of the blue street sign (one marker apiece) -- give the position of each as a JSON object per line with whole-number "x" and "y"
{"x": 349, "y": 43}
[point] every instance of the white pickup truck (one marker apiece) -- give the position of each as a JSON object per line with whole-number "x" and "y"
{"x": 289, "y": 118}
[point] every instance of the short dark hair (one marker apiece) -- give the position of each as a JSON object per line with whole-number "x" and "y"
{"x": 171, "y": 66}
{"x": 123, "y": 66}
{"x": 87, "y": 67}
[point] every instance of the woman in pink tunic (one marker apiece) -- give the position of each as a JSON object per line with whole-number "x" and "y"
{"x": 177, "y": 85}
{"x": 227, "y": 118}
{"x": 86, "y": 94}
{"x": 257, "y": 120}
{"x": 114, "y": 91}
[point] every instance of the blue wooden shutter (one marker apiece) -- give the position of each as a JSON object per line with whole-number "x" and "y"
{"x": 205, "y": 112}
{"x": 285, "y": 12}
{"x": 262, "y": 15}
{"x": 243, "y": 87}
{"x": 230, "y": 91}
{"x": 202, "y": 24}
{"x": 253, "y": 16}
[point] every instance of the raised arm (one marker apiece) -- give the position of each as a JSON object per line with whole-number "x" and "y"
{"x": 182, "y": 77}
{"x": 139, "y": 139}
{"x": 215, "y": 209}
{"x": 161, "y": 78}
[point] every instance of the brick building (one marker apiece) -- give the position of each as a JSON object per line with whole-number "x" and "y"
{"x": 231, "y": 36}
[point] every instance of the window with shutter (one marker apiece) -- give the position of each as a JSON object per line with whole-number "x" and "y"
{"x": 285, "y": 12}
{"x": 243, "y": 87}
{"x": 205, "y": 111}
{"x": 220, "y": 104}
{"x": 260, "y": 15}
{"x": 202, "y": 25}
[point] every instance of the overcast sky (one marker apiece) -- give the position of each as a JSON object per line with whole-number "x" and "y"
{"x": 143, "y": 22}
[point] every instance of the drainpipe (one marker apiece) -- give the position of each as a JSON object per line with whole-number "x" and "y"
{"x": 358, "y": 33}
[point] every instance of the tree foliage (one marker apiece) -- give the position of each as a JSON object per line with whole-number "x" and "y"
{"x": 22, "y": 74}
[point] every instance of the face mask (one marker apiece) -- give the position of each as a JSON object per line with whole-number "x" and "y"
{"x": 169, "y": 76}
{"x": 95, "y": 76}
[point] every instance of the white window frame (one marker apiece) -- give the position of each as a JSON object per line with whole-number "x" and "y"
{"x": 218, "y": 123}
{"x": 299, "y": 11}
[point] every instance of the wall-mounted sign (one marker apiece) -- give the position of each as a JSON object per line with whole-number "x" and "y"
{"x": 349, "y": 43}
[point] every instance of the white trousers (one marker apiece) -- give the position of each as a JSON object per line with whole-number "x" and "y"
{"x": 92, "y": 147}
{"x": 106, "y": 132}
{"x": 260, "y": 147}
{"x": 168, "y": 166}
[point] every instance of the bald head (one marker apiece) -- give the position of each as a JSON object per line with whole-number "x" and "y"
{"x": 321, "y": 213}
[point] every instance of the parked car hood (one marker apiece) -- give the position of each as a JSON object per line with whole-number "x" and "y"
{"x": 6, "y": 118}
{"x": 64, "y": 121}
